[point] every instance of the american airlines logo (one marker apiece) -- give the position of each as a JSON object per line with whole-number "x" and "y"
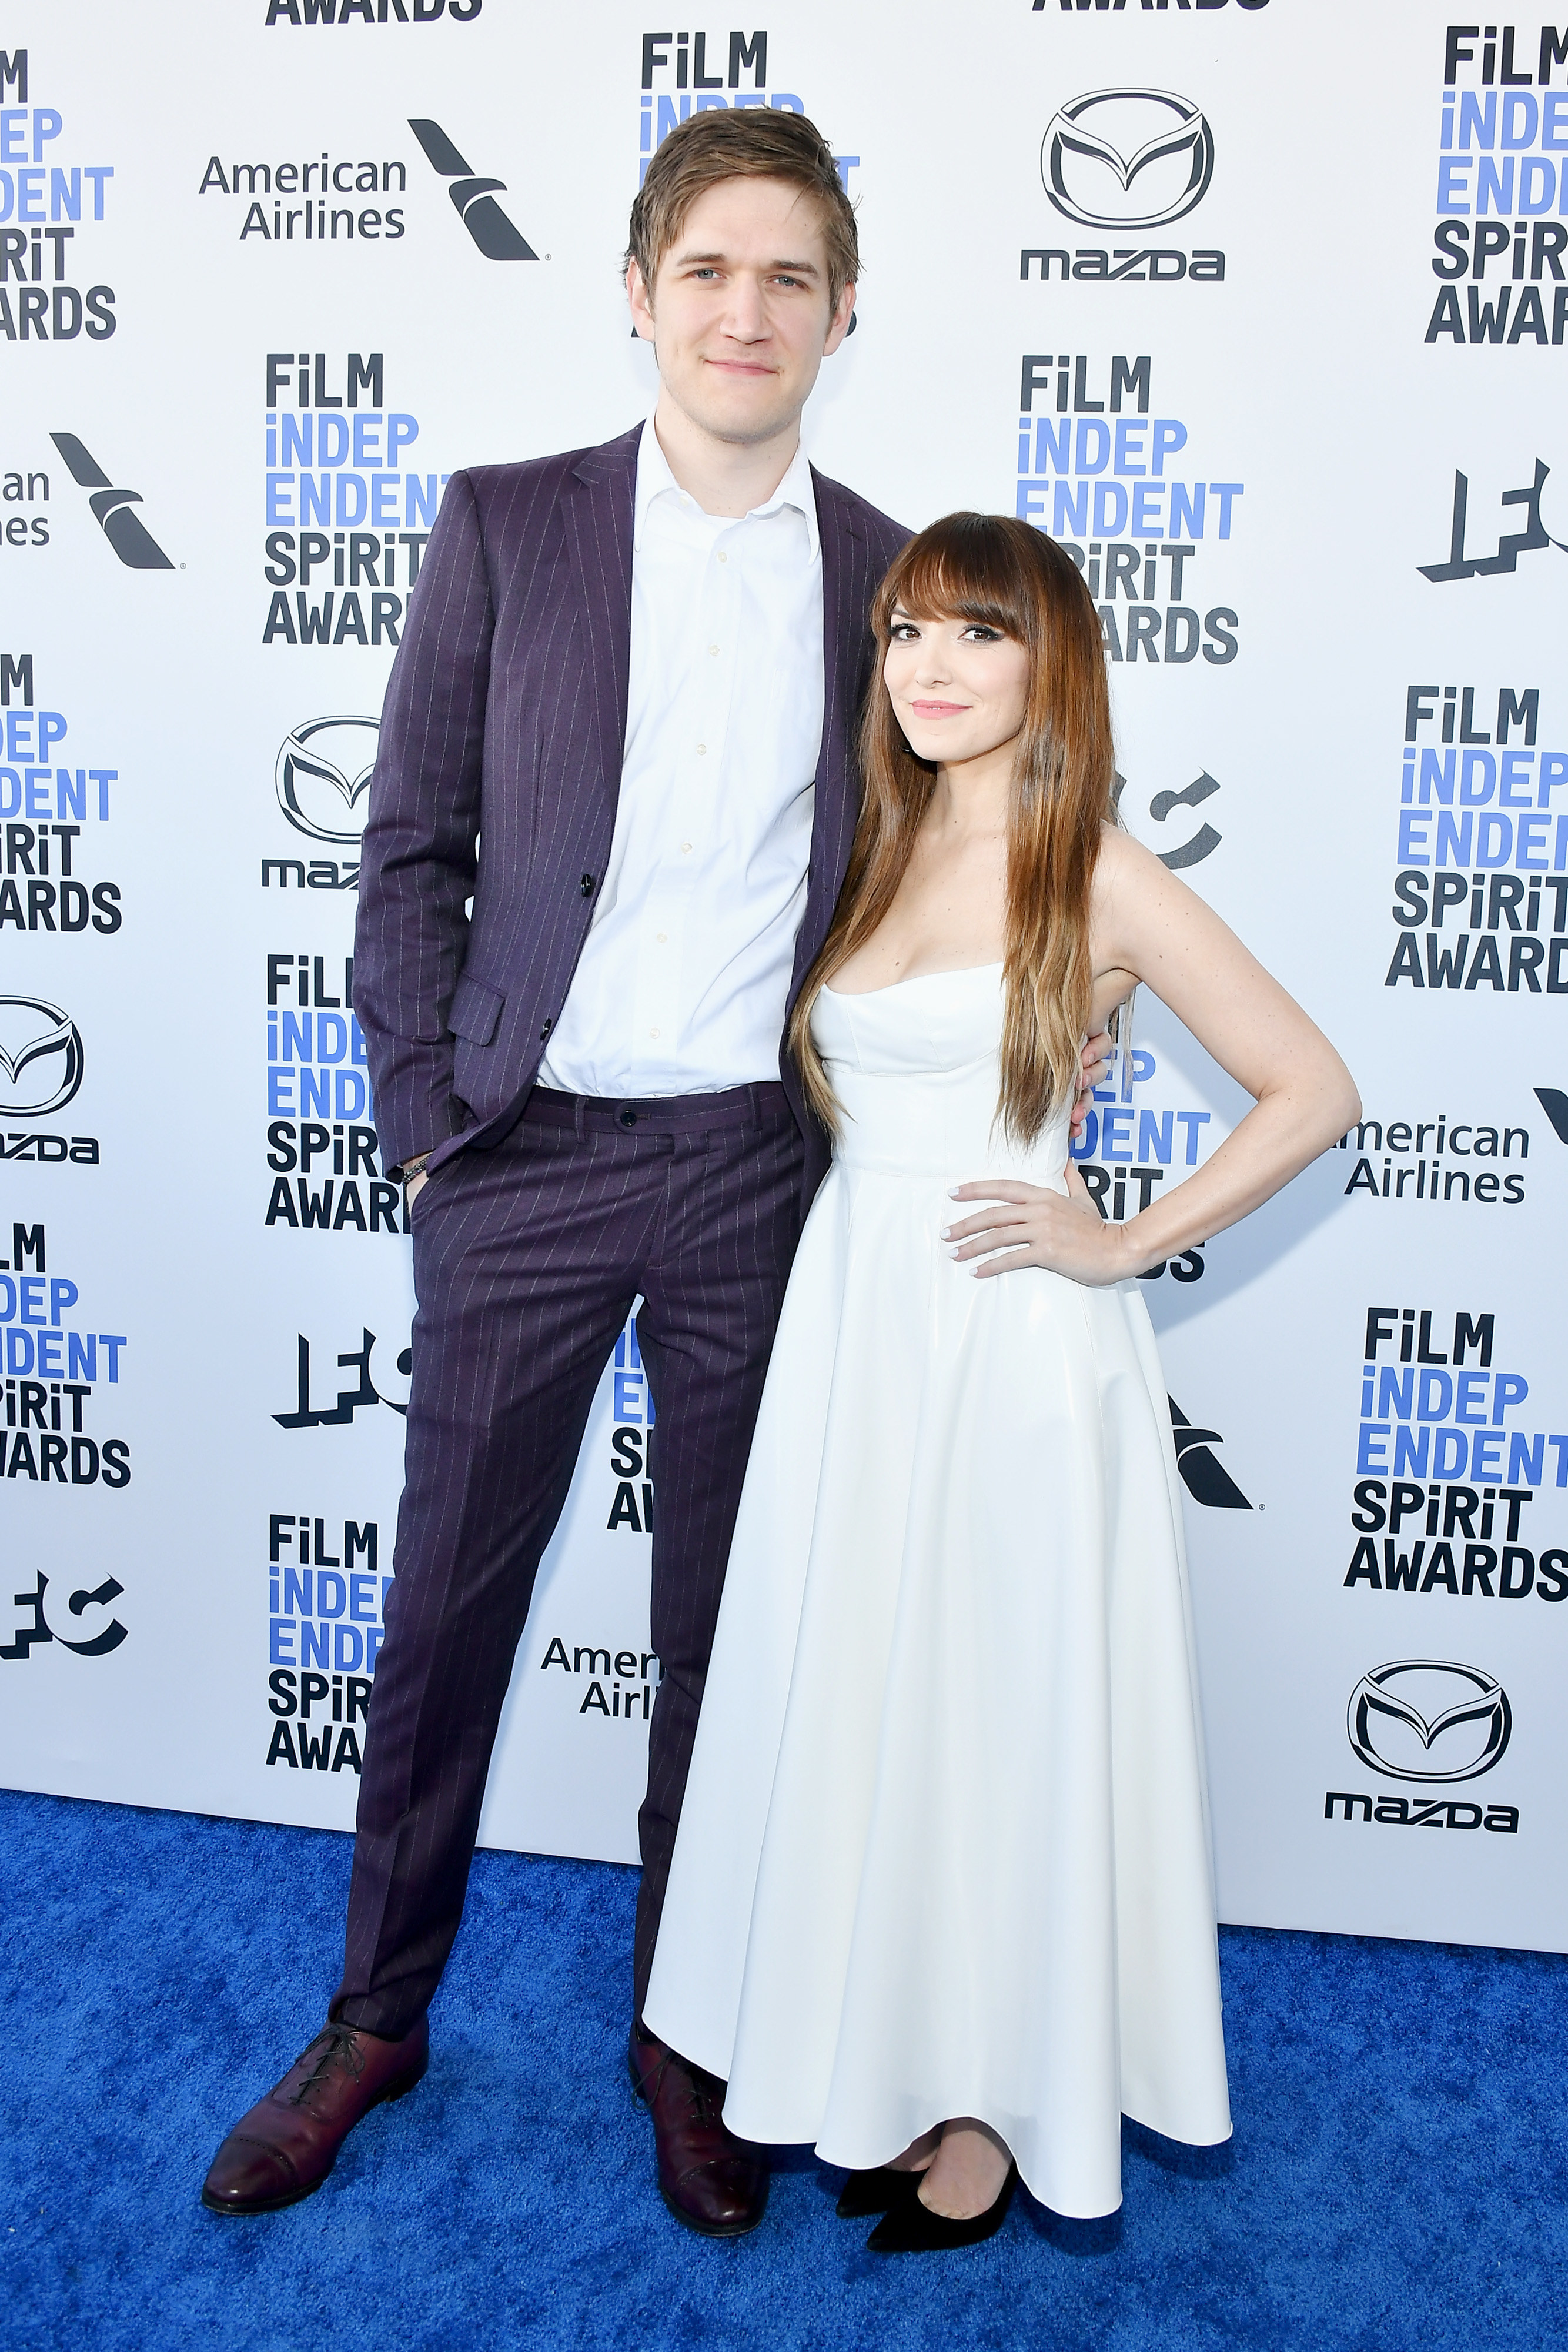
{"x": 472, "y": 193}
{"x": 126, "y": 533}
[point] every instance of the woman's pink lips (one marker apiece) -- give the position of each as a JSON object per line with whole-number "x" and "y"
{"x": 937, "y": 709}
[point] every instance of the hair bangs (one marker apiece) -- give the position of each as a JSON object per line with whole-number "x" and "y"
{"x": 752, "y": 144}
{"x": 957, "y": 569}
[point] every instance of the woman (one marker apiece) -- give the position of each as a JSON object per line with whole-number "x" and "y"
{"x": 942, "y": 1899}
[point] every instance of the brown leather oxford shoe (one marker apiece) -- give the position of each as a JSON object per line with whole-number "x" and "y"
{"x": 711, "y": 2181}
{"x": 288, "y": 2143}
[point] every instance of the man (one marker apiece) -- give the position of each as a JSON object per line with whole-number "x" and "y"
{"x": 633, "y": 675}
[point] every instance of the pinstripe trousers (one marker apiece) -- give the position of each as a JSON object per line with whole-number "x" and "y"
{"x": 526, "y": 1259}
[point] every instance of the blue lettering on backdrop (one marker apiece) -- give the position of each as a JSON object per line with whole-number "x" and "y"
{"x": 32, "y": 786}
{"x": 56, "y": 202}
{"x": 1126, "y": 1133}
{"x": 317, "y": 1065}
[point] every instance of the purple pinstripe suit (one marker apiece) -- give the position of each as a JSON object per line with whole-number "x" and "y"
{"x": 497, "y": 780}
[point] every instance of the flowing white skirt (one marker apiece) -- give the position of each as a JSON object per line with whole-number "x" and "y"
{"x": 944, "y": 1848}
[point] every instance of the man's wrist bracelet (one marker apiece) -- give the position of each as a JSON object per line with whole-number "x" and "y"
{"x": 414, "y": 1166}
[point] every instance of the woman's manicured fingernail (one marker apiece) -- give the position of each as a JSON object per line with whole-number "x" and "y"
{"x": 946, "y": 1233}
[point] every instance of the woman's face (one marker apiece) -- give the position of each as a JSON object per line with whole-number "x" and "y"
{"x": 959, "y": 688}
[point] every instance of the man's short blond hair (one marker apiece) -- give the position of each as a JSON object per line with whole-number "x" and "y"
{"x": 749, "y": 143}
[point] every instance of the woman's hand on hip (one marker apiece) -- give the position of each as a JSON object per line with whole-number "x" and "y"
{"x": 1094, "y": 1069}
{"x": 1029, "y": 1224}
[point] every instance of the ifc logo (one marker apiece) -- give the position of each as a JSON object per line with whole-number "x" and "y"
{"x": 324, "y": 771}
{"x": 1098, "y": 146}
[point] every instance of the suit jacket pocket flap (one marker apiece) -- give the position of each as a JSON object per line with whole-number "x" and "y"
{"x": 475, "y": 1010}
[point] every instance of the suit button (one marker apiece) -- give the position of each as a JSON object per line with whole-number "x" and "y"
{"x": 544, "y": 1033}
{"x": 585, "y": 886}
{"x": 628, "y": 1118}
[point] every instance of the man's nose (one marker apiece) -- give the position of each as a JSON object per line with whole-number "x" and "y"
{"x": 746, "y": 318}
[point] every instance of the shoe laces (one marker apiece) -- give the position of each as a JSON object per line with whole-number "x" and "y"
{"x": 706, "y": 2103}
{"x": 705, "y": 2091}
{"x": 335, "y": 2043}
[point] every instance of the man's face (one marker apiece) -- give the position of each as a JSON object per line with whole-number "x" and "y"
{"x": 739, "y": 316}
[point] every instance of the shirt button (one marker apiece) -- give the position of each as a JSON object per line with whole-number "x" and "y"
{"x": 685, "y": 848}
{"x": 722, "y": 556}
{"x": 713, "y": 649}
{"x": 701, "y": 748}
{"x": 652, "y": 1033}
{"x": 661, "y": 936}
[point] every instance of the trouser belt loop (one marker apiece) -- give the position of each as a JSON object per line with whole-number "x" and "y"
{"x": 579, "y": 1114}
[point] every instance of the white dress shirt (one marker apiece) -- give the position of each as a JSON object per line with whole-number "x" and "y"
{"x": 684, "y": 975}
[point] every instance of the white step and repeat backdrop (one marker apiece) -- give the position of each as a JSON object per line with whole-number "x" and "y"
{"x": 1260, "y": 306}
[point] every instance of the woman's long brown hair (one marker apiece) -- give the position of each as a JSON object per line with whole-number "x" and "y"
{"x": 1005, "y": 574}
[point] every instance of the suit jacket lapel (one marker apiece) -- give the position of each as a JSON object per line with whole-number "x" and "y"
{"x": 846, "y": 596}
{"x": 599, "y": 523}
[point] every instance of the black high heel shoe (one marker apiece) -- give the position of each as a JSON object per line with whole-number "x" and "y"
{"x": 911, "y": 2227}
{"x": 875, "y": 2191}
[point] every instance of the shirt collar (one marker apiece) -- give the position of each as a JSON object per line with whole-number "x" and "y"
{"x": 653, "y": 478}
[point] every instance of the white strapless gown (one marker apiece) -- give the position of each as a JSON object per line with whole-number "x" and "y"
{"x": 944, "y": 1846}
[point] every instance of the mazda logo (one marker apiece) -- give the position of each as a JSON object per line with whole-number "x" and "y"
{"x": 41, "y": 1057}
{"x": 1406, "y": 1717}
{"x": 1126, "y": 159}
{"x": 324, "y": 772}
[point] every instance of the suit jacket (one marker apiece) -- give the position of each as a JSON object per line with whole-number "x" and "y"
{"x": 499, "y": 770}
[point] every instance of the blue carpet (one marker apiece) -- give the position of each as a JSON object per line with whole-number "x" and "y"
{"x": 1398, "y": 2179}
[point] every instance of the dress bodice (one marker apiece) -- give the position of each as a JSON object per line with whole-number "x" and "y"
{"x": 916, "y": 1071}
